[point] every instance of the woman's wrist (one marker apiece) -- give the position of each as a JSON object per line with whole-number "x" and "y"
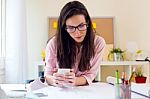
{"x": 80, "y": 81}
{"x": 77, "y": 80}
{"x": 49, "y": 80}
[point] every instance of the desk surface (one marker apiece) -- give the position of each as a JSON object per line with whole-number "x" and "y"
{"x": 94, "y": 91}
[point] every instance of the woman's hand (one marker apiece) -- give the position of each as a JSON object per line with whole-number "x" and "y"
{"x": 62, "y": 80}
{"x": 50, "y": 78}
{"x": 58, "y": 79}
{"x": 70, "y": 78}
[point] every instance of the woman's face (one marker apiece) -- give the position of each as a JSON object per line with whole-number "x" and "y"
{"x": 76, "y": 26}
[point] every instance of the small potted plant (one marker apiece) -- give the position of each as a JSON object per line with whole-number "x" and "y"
{"x": 139, "y": 78}
{"x": 139, "y": 55}
{"x": 117, "y": 54}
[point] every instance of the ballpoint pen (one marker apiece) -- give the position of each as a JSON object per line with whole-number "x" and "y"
{"x": 117, "y": 77}
{"x": 123, "y": 77}
{"x": 118, "y": 95}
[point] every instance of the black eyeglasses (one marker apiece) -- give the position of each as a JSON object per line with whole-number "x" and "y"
{"x": 80, "y": 27}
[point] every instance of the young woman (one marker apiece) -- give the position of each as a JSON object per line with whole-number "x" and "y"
{"x": 75, "y": 46}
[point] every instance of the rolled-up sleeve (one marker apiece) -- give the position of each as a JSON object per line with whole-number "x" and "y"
{"x": 95, "y": 62}
{"x": 50, "y": 58}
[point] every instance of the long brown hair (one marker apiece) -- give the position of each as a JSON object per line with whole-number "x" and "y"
{"x": 66, "y": 47}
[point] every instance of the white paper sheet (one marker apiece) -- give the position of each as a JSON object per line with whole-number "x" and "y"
{"x": 141, "y": 88}
{"x": 36, "y": 84}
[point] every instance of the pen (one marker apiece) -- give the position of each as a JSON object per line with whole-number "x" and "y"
{"x": 117, "y": 86}
{"x": 117, "y": 76}
{"x": 123, "y": 77}
{"x": 126, "y": 82}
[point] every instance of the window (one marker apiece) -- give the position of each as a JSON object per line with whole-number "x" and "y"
{"x": 2, "y": 28}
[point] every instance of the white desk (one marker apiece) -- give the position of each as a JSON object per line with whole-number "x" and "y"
{"x": 94, "y": 91}
{"x": 14, "y": 91}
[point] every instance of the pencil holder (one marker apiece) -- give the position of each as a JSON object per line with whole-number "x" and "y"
{"x": 122, "y": 91}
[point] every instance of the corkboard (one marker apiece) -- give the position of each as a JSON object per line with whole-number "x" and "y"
{"x": 104, "y": 28}
{"x": 51, "y": 29}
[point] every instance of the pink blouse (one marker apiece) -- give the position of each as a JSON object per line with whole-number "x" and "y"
{"x": 51, "y": 59}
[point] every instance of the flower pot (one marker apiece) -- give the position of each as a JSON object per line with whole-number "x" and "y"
{"x": 140, "y": 79}
{"x": 117, "y": 56}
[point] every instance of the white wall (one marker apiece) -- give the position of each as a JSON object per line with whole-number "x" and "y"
{"x": 37, "y": 31}
{"x": 132, "y": 21}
